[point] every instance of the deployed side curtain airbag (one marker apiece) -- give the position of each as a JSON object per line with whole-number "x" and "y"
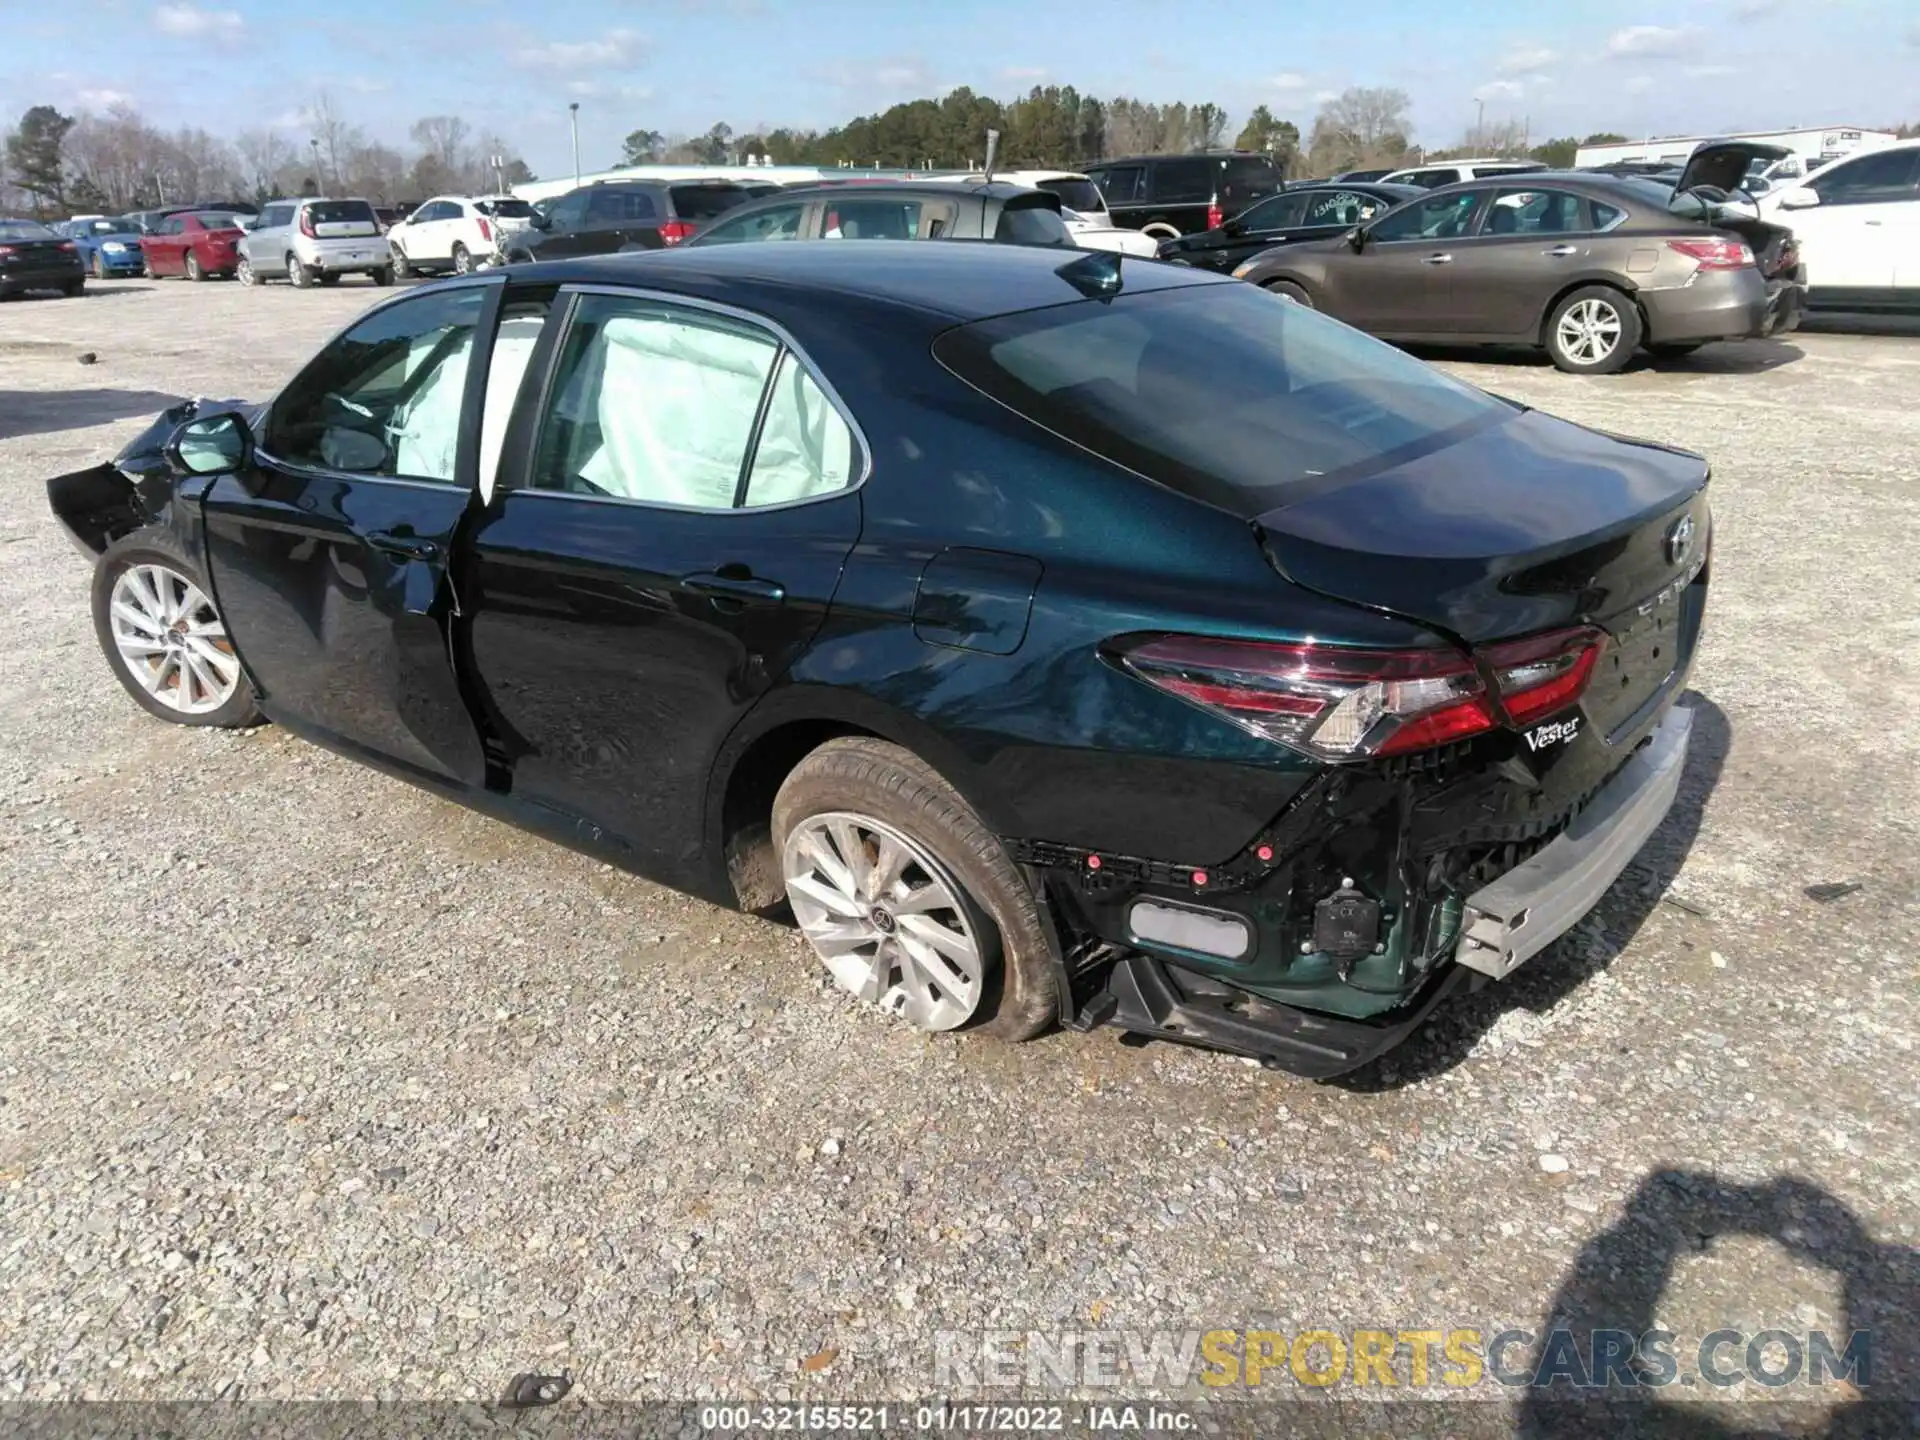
{"x": 676, "y": 410}
{"x": 805, "y": 447}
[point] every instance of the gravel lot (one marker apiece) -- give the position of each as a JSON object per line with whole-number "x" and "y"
{"x": 313, "y": 1085}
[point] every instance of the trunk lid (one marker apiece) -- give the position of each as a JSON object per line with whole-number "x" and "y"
{"x": 1529, "y": 525}
{"x": 1723, "y": 164}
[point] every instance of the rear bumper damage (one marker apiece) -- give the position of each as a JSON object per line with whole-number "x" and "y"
{"x": 1130, "y": 962}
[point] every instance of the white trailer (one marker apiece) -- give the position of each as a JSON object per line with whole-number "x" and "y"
{"x": 1810, "y": 148}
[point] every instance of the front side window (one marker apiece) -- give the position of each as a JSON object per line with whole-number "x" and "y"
{"x": 1444, "y": 217}
{"x": 1534, "y": 212}
{"x": 666, "y": 405}
{"x": 384, "y": 399}
{"x": 776, "y": 222}
{"x": 569, "y": 211}
{"x": 1222, "y": 392}
{"x": 1883, "y": 175}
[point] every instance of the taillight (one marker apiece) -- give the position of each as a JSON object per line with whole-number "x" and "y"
{"x": 674, "y": 231}
{"x": 1216, "y": 217}
{"x": 486, "y": 232}
{"x": 306, "y": 223}
{"x": 1346, "y": 704}
{"x": 1715, "y": 254}
{"x": 1544, "y": 674}
{"x": 1333, "y": 703}
{"x": 7, "y": 252}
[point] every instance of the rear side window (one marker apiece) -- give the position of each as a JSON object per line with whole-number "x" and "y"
{"x": 1031, "y": 224}
{"x": 1176, "y": 181}
{"x": 1122, "y": 184}
{"x": 505, "y": 209}
{"x": 1534, "y": 212}
{"x": 1222, "y": 392}
{"x": 703, "y": 202}
{"x": 1247, "y": 177}
{"x": 874, "y": 219}
{"x": 1344, "y": 207}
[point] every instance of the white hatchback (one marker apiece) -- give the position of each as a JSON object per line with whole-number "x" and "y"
{"x": 457, "y": 233}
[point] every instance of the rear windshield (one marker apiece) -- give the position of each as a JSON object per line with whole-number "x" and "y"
{"x": 703, "y": 202}
{"x": 1223, "y": 392}
{"x": 217, "y": 220}
{"x": 25, "y": 230}
{"x": 1081, "y": 195}
{"x": 1031, "y": 224}
{"x": 505, "y": 209}
{"x": 340, "y": 212}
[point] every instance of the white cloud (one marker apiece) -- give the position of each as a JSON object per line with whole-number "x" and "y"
{"x": 1501, "y": 90}
{"x": 888, "y": 74}
{"x": 191, "y": 22}
{"x": 1288, "y": 80}
{"x": 1024, "y": 72}
{"x": 1639, "y": 84}
{"x": 1324, "y": 97}
{"x": 615, "y": 50}
{"x": 1704, "y": 72}
{"x": 1653, "y": 42}
{"x": 1756, "y": 9}
{"x": 102, "y": 99}
{"x": 1525, "y": 58}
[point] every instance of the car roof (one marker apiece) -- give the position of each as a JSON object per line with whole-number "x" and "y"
{"x": 955, "y": 281}
{"x": 1187, "y": 155}
{"x": 992, "y": 189}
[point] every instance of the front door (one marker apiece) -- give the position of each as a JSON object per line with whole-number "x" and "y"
{"x": 1852, "y": 239}
{"x": 670, "y": 529}
{"x": 1401, "y": 283}
{"x": 329, "y": 556}
{"x": 1530, "y": 242}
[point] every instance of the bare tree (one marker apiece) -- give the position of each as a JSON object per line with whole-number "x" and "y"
{"x": 336, "y": 136}
{"x": 1361, "y": 126}
{"x": 443, "y": 139}
{"x": 265, "y": 157}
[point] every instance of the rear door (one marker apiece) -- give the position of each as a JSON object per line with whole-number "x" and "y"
{"x": 678, "y": 497}
{"x": 329, "y": 556}
{"x": 1401, "y": 283}
{"x": 1529, "y": 242}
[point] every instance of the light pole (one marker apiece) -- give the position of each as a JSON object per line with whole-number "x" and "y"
{"x": 318, "y": 179}
{"x": 573, "y": 118}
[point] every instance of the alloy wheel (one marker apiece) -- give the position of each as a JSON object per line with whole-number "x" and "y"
{"x": 462, "y": 261}
{"x": 244, "y": 270}
{"x": 193, "y": 266}
{"x": 1589, "y": 331}
{"x": 885, "y": 917}
{"x": 172, "y": 640}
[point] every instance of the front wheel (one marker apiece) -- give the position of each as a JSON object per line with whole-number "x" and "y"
{"x": 244, "y": 269}
{"x": 382, "y": 276}
{"x": 99, "y": 266}
{"x": 908, "y": 899}
{"x": 163, "y": 638}
{"x": 1593, "y": 331}
{"x": 399, "y": 266}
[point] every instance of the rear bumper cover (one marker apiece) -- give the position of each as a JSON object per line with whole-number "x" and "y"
{"x": 1717, "y": 305}
{"x": 1517, "y": 916}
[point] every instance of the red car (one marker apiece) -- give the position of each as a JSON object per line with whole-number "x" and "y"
{"x": 197, "y": 244}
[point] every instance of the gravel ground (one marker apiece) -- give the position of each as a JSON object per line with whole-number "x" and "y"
{"x": 312, "y": 1085}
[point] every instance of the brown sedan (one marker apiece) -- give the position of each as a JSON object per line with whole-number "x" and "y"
{"x": 1592, "y": 267}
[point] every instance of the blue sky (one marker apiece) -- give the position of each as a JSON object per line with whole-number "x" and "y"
{"x": 1662, "y": 66}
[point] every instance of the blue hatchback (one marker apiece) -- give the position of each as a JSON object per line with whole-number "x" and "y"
{"x": 108, "y": 246}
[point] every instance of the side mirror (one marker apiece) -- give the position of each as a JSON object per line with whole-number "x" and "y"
{"x": 1357, "y": 238}
{"x": 218, "y": 444}
{"x": 540, "y": 220}
{"x": 1799, "y": 198}
{"x": 1235, "y": 227}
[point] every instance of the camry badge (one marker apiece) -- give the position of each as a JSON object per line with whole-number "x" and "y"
{"x": 1679, "y": 539}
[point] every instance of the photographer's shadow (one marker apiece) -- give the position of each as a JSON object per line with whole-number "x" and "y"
{"x": 1618, "y": 1279}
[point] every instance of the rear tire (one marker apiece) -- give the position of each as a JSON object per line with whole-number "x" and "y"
{"x": 298, "y": 275}
{"x": 958, "y": 893}
{"x": 75, "y": 288}
{"x": 1161, "y": 230}
{"x": 194, "y": 272}
{"x": 1593, "y": 331}
{"x": 1287, "y": 290}
{"x": 383, "y": 276}
{"x": 154, "y": 618}
{"x": 329, "y": 277}
{"x": 462, "y": 260}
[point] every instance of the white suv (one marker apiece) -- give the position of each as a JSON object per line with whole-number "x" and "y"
{"x": 1858, "y": 224}
{"x": 459, "y": 233}
{"x": 1432, "y": 177}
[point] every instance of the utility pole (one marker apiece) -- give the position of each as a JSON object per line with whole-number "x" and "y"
{"x": 319, "y": 180}
{"x": 573, "y": 116}
{"x": 1480, "y": 127}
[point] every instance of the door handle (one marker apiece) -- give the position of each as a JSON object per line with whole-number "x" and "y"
{"x": 1562, "y": 250}
{"x": 1438, "y": 260}
{"x": 738, "y": 589}
{"x": 407, "y": 547}
{"x": 1875, "y": 223}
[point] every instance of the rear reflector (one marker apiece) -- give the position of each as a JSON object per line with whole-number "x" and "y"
{"x": 1208, "y": 932}
{"x": 1716, "y": 253}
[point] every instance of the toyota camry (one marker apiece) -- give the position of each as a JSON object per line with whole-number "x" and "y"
{"x": 1052, "y": 640}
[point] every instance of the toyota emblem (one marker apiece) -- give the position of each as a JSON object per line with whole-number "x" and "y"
{"x": 1680, "y": 539}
